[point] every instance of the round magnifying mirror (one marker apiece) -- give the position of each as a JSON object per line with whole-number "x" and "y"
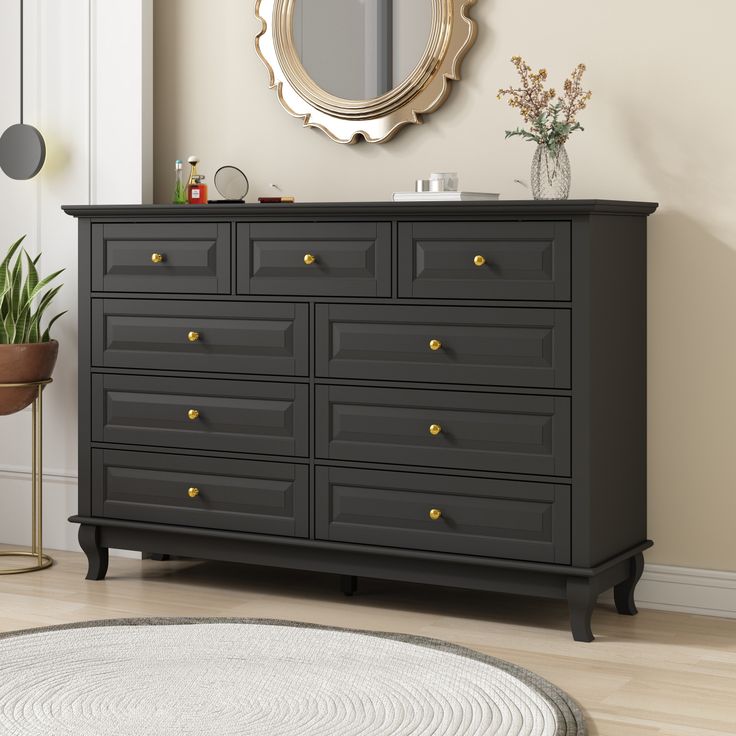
{"x": 361, "y": 49}
{"x": 232, "y": 183}
{"x": 22, "y": 151}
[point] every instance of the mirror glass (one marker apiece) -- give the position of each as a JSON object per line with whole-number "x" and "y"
{"x": 360, "y": 49}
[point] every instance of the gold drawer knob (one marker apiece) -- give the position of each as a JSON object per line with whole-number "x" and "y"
{"x": 193, "y": 492}
{"x": 434, "y": 429}
{"x": 157, "y": 257}
{"x": 435, "y": 344}
{"x": 193, "y": 414}
{"x": 309, "y": 259}
{"x": 435, "y": 514}
{"x": 193, "y": 336}
{"x": 479, "y": 261}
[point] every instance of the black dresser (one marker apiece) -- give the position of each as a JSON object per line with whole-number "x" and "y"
{"x": 451, "y": 394}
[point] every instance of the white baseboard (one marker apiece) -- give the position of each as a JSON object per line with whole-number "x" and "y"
{"x": 662, "y": 587}
{"x": 687, "y": 590}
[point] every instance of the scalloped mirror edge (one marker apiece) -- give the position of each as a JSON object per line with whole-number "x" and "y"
{"x": 378, "y": 120}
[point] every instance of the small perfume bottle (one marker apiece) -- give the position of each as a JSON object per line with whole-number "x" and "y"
{"x": 196, "y": 191}
{"x": 180, "y": 190}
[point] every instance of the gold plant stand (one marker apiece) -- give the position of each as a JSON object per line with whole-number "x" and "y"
{"x": 36, "y": 552}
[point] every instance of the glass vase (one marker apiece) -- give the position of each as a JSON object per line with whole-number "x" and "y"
{"x": 551, "y": 173}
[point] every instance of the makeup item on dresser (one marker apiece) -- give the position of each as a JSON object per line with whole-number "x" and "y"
{"x": 196, "y": 190}
{"x": 180, "y": 189}
{"x": 277, "y": 200}
{"x": 232, "y": 184}
{"x": 422, "y": 185}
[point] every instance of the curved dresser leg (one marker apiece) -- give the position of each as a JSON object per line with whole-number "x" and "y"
{"x": 581, "y": 598}
{"x": 97, "y": 556}
{"x": 623, "y": 593}
{"x": 349, "y": 584}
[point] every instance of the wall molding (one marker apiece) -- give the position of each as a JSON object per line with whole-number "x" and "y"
{"x": 685, "y": 590}
{"x": 23, "y": 472}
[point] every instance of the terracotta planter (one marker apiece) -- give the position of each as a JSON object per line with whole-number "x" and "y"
{"x": 21, "y": 363}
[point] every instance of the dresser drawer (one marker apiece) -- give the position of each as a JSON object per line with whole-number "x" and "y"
{"x": 484, "y": 346}
{"x": 235, "y": 416}
{"x": 165, "y": 258}
{"x": 495, "y": 432}
{"x": 227, "y": 337}
{"x": 211, "y": 493}
{"x": 317, "y": 259}
{"x": 491, "y": 518}
{"x": 485, "y": 260}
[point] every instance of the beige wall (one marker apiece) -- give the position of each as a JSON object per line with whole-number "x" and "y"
{"x": 658, "y": 128}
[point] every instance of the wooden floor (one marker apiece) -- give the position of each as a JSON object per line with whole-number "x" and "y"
{"x": 656, "y": 673}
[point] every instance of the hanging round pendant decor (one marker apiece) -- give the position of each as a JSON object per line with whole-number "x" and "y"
{"x": 22, "y": 151}
{"x": 221, "y": 677}
{"x": 22, "y": 147}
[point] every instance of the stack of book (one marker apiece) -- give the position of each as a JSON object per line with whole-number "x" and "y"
{"x": 443, "y": 196}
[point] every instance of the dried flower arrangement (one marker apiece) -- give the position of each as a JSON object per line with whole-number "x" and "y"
{"x": 552, "y": 119}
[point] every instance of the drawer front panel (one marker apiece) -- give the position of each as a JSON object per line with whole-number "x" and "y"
{"x": 494, "y": 432}
{"x": 518, "y": 260}
{"x": 493, "y": 518}
{"x": 350, "y": 259}
{"x": 484, "y": 346}
{"x": 242, "y": 337}
{"x": 235, "y": 495}
{"x": 234, "y": 416}
{"x": 194, "y": 258}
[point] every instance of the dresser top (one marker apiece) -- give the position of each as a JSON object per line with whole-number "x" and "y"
{"x": 502, "y": 207}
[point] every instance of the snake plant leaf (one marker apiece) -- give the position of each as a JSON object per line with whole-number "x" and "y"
{"x": 35, "y": 326}
{"x": 22, "y": 299}
{"x": 9, "y": 325}
{"x": 4, "y": 289}
{"x": 21, "y": 324}
{"x": 11, "y": 252}
{"x": 46, "y": 336}
{"x": 37, "y": 288}
{"x": 16, "y": 280}
{"x": 32, "y": 277}
{"x": 31, "y": 332}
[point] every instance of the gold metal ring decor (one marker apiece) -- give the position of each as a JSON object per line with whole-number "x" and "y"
{"x": 377, "y": 120}
{"x": 36, "y": 552}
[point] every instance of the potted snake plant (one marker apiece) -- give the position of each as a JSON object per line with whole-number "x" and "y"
{"x": 27, "y": 352}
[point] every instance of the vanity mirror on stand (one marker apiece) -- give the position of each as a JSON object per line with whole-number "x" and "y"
{"x": 391, "y": 63}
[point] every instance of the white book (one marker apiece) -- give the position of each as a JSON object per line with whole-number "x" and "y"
{"x": 443, "y": 196}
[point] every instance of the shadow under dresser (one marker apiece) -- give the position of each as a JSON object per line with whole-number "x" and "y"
{"x": 443, "y": 393}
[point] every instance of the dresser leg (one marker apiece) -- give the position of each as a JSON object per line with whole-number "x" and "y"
{"x": 349, "y": 584}
{"x": 623, "y": 593}
{"x": 581, "y": 598}
{"x": 97, "y": 556}
{"x": 156, "y": 557}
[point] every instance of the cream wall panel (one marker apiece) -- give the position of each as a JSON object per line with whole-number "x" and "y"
{"x": 657, "y": 129}
{"x": 109, "y": 159}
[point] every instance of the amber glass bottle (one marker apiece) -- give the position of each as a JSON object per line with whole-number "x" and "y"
{"x": 196, "y": 190}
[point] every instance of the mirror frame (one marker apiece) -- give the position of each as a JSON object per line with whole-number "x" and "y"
{"x": 452, "y": 34}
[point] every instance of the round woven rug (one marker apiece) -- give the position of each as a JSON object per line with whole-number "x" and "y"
{"x": 226, "y": 677}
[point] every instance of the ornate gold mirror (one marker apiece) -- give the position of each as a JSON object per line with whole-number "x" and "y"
{"x": 365, "y": 68}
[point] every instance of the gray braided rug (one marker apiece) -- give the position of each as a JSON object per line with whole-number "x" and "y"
{"x": 248, "y": 677}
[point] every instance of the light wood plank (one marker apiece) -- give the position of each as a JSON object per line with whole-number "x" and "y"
{"x": 658, "y": 673}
